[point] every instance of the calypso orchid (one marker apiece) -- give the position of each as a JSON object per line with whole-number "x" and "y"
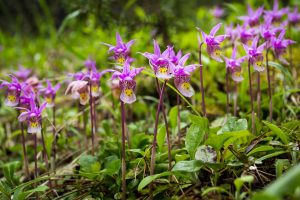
{"x": 79, "y": 89}
{"x": 294, "y": 17}
{"x": 13, "y": 91}
{"x": 246, "y": 34}
{"x": 233, "y": 64}
{"x": 33, "y": 116}
{"x": 255, "y": 54}
{"x": 231, "y": 32}
{"x": 280, "y": 45}
{"x": 161, "y": 62}
{"x": 127, "y": 83}
{"x": 267, "y": 31}
{"x": 213, "y": 42}
{"x": 218, "y": 12}
{"x": 121, "y": 52}
{"x": 22, "y": 73}
{"x": 252, "y": 19}
{"x": 182, "y": 76}
{"x": 276, "y": 15}
{"x": 50, "y": 93}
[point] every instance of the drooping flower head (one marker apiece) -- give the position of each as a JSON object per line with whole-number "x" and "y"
{"x": 22, "y": 73}
{"x": 255, "y": 54}
{"x": 121, "y": 52}
{"x": 93, "y": 76}
{"x": 79, "y": 89}
{"x": 218, "y": 12}
{"x": 13, "y": 91}
{"x": 231, "y": 32}
{"x": 160, "y": 62}
{"x": 50, "y": 93}
{"x": 127, "y": 83}
{"x": 268, "y": 31}
{"x": 252, "y": 19}
{"x": 246, "y": 34}
{"x": 276, "y": 14}
{"x": 294, "y": 17}
{"x": 32, "y": 116}
{"x": 279, "y": 45}
{"x": 213, "y": 42}
{"x": 173, "y": 57}
{"x": 233, "y": 64}
{"x": 182, "y": 76}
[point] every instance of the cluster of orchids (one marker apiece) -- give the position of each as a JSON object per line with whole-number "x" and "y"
{"x": 261, "y": 31}
{"x": 23, "y": 94}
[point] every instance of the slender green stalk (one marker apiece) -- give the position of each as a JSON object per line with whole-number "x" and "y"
{"x": 45, "y": 155}
{"x": 201, "y": 80}
{"x": 153, "y": 154}
{"x": 258, "y": 95}
{"x": 269, "y": 88}
{"x": 26, "y": 169}
{"x": 123, "y": 152}
{"x": 251, "y": 99}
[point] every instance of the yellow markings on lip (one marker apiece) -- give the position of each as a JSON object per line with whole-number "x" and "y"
{"x": 258, "y": 63}
{"x": 163, "y": 70}
{"x": 249, "y": 42}
{"x": 238, "y": 74}
{"x": 217, "y": 52}
{"x": 12, "y": 98}
{"x": 34, "y": 124}
{"x": 186, "y": 85}
{"x": 83, "y": 96}
{"x": 128, "y": 92}
{"x": 94, "y": 88}
{"x": 121, "y": 60}
{"x": 48, "y": 100}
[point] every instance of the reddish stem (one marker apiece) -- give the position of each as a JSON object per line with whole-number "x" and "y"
{"x": 201, "y": 80}
{"x": 123, "y": 152}
{"x": 251, "y": 99}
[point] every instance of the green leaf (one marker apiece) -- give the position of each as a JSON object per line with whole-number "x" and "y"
{"x": 277, "y": 153}
{"x": 161, "y": 135}
{"x": 89, "y": 166}
{"x": 217, "y": 141}
{"x": 206, "y": 154}
{"x": 282, "y": 69}
{"x": 188, "y": 166}
{"x": 41, "y": 188}
{"x": 202, "y": 121}
{"x": 260, "y": 149}
{"x": 214, "y": 189}
{"x": 239, "y": 182}
{"x": 285, "y": 184}
{"x": 233, "y": 124}
{"x": 194, "y": 138}
{"x": 173, "y": 116}
{"x": 146, "y": 181}
{"x": 280, "y": 165}
{"x": 284, "y": 138}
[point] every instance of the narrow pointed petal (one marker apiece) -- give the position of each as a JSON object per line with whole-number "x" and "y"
{"x": 215, "y": 29}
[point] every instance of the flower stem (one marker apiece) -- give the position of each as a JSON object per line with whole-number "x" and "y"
{"x": 123, "y": 152}
{"x": 24, "y": 150}
{"x": 153, "y": 153}
{"x": 53, "y": 157}
{"x": 235, "y": 98}
{"x": 227, "y": 92}
{"x": 201, "y": 80}
{"x": 167, "y": 128}
{"x": 92, "y": 121}
{"x": 258, "y": 95}
{"x": 269, "y": 88}
{"x": 251, "y": 98}
{"x": 35, "y": 163}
